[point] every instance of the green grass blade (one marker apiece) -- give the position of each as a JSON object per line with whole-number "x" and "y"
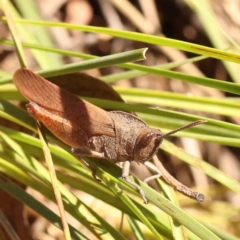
{"x": 101, "y": 62}
{"x": 135, "y": 228}
{"x": 221, "y": 234}
{"x": 204, "y": 81}
{"x": 185, "y": 46}
{"x": 136, "y": 73}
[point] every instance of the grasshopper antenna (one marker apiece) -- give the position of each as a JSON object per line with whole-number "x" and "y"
{"x": 193, "y": 124}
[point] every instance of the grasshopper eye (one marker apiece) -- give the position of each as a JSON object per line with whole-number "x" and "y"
{"x": 147, "y": 144}
{"x": 145, "y": 139}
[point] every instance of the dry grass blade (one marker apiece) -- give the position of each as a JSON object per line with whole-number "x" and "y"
{"x": 53, "y": 176}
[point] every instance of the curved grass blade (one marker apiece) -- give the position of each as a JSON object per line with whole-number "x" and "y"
{"x": 185, "y": 46}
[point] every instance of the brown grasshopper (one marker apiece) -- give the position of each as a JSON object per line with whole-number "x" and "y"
{"x": 91, "y": 131}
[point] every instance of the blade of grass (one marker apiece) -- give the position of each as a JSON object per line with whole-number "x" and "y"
{"x": 211, "y": 128}
{"x": 114, "y": 59}
{"x": 222, "y": 235}
{"x": 204, "y": 81}
{"x": 101, "y": 62}
{"x": 111, "y": 230}
{"x": 53, "y": 176}
{"x": 136, "y": 73}
{"x": 185, "y": 46}
{"x": 135, "y": 228}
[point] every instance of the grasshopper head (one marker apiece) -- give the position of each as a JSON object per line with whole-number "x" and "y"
{"x": 149, "y": 139}
{"x": 147, "y": 144}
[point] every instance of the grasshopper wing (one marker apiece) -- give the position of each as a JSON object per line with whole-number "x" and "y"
{"x": 93, "y": 120}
